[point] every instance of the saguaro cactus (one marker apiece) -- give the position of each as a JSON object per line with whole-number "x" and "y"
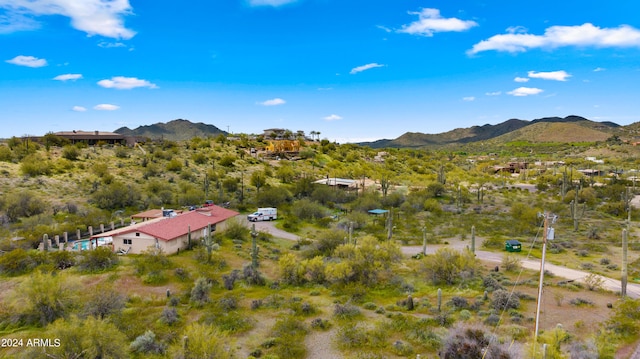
{"x": 473, "y": 239}
{"x": 623, "y": 280}
{"x": 577, "y": 212}
{"x": 45, "y": 242}
{"x": 439, "y": 299}
{"x": 254, "y": 247}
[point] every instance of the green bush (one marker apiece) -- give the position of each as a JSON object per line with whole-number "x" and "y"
{"x": 98, "y": 260}
{"x": 16, "y": 262}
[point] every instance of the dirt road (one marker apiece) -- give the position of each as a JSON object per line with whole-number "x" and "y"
{"x": 633, "y": 289}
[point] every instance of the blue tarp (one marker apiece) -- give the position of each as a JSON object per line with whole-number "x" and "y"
{"x": 378, "y": 211}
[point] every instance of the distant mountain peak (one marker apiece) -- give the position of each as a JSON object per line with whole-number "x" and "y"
{"x": 591, "y": 131}
{"x": 174, "y": 130}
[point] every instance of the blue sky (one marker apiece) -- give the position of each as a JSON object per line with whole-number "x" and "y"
{"x": 353, "y": 70}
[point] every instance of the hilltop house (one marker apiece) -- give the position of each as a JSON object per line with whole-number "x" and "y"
{"x": 168, "y": 233}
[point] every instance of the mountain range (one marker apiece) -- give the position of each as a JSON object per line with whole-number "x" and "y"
{"x": 176, "y": 130}
{"x": 547, "y": 129}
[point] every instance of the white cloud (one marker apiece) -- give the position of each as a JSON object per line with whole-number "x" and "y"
{"x": 366, "y": 67}
{"x": 430, "y": 21}
{"x": 525, "y": 91}
{"x": 108, "y": 45}
{"x": 95, "y": 17}
{"x": 12, "y": 22}
{"x": 332, "y": 117}
{"x": 106, "y": 107}
{"x": 552, "y": 75}
{"x": 496, "y": 93}
{"x": 79, "y": 109}
{"x": 273, "y": 102}
{"x": 598, "y": 69}
{"x": 274, "y": 3}
{"x": 67, "y": 77}
{"x": 28, "y": 61}
{"x": 560, "y": 36}
{"x": 469, "y": 98}
{"x": 126, "y": 83}
{"x": 521, "y": 79}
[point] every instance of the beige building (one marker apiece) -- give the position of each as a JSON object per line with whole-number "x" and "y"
{"x": 171, "y": 234}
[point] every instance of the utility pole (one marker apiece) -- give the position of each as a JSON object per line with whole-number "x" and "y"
{"x": 547, "y": 234}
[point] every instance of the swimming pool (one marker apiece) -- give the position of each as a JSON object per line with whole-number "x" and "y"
{"x": 85, "y": 244}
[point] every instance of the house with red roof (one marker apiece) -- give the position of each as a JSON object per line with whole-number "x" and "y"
{"x": 171, "y": 234}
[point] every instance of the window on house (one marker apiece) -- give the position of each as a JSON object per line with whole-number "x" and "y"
{"x": 127, "y": 241}
{"x": 137, "y": 234}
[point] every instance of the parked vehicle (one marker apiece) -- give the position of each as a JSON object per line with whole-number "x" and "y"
{"x": 512, "y": 246}
{"x": 264, "y": 214}
{"x": 208, "y": 203}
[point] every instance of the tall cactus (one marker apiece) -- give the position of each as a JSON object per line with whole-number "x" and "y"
{"x": 577, "y": 211}
{"x": 623, "y": 280}
{"x": 473, "y": 239}
{"x": 45, "y": 242}
{"x": 442, "y": 176}
{"x": 254, "y": 247}
{"x": 424, "y": 241}
{"x": 439, "y": 299}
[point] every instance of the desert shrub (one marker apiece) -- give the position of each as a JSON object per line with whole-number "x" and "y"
{"x": 43, "y": 298}
{"x": 19, "y": 204}
{"x": 469, "y": 342}
{"x": 103, "y": 301}
{"x": 290, "y": 334}
{"x": 252, "y": 275}
{"x": 202, "y": 341}
{"x": 229, "y": 280}
{"x": 346, "y": 311}
{"x": 62, "y": 259}
{"x": 200, "y": 291}
{"x": 115, "y": 195}
{"x": 369, "y": 306}
{"x": 448, "y": 266}
{"x": 291, "y": 270}
{"x": 459, "y": 302}
{"x": 98, "y": 260}
{"x": 181, "y": 274}
{"x": 306, "y": 209}
{"x": 236, "y": 230}
{"x": 16, "y": 262}
{"x": 352, "y": 337}
{"x": 581, "y": 302}
{"x": 583, "y": 350}
{"x": 401, "y": 348}
{"x": 228, "y": 303}
{"x": 174, "y": 165}
{"x": 35, "y": 165}
{"x": 91, "y": 337}
{"x": 491, "y": 283}
{"x": 70, "y": 152}
{"x": 594, "y": 282}
{"x": 273, "y": 196}
{"x": 504, "y": 300}
{"x": 325, "y": 243}
{"x": 151, "y": 265}
{"x": 169, "y": 316}
{"x": 511, "y": 263}
{"x": 147, "y": 344}
{"x": 228, "y": 321}
{"x": 321, "y": 324}
{"x": 625, "y": 320}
